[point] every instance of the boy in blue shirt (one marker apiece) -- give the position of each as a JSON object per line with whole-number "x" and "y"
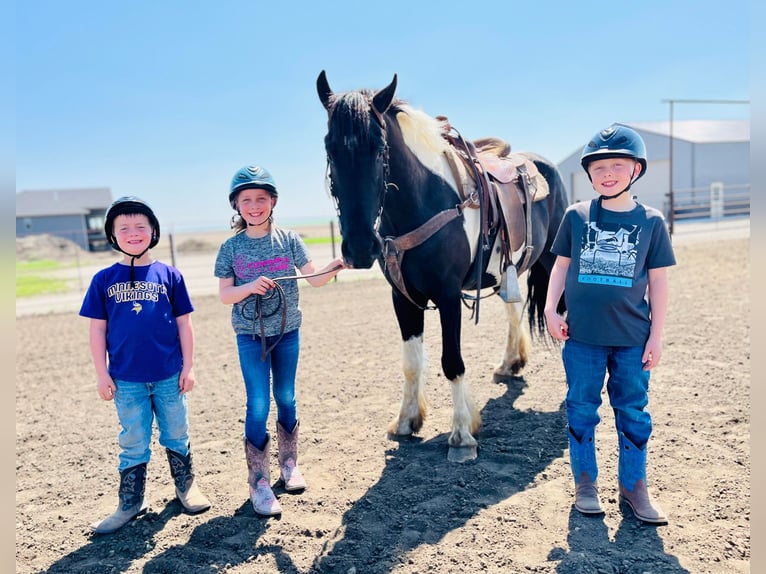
{"x": 142, "y": 342}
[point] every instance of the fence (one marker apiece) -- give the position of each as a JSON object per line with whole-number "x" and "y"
{"x": 712, "y": 202}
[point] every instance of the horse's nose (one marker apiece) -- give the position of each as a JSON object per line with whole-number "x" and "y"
{"x": 361, "y": 256}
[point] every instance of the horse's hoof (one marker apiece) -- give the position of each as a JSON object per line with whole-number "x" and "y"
{"x": 462, "y": 453}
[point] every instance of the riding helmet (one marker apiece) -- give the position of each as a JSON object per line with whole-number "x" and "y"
{"x": 615, "y": 141}
{"x": 130, "y": 205}
{"x": 251, "y": 177}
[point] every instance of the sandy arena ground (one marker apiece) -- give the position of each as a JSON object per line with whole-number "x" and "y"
{"x": 377, "y": 506}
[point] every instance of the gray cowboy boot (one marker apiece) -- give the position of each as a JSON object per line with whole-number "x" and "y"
{"x": 633, "y": 488}
{"x": 186, "y": 488}
{"x": 582, "y": 455}
{"x": 131, "y": 495}
{"x": 289, "y": 473}
{"x": 261, "y": 496}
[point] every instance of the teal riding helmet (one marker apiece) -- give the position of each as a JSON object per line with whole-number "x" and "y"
{"x": 251, "y": 177}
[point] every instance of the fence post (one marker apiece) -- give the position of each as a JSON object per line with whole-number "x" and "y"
{"x": 716, "y": 200}
{"x": 172, "y": 250}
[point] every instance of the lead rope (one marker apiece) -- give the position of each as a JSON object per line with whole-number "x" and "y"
{"x": 258, "y": 315}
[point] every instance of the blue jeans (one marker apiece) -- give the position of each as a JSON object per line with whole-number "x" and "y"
{"x": 137, "y": 406}
{"x": 281, "y": 365}
{"x": 627, "y": 386}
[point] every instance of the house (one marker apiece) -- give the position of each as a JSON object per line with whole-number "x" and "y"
{"x": 710, "y": 161}
{"x": 74, "y": 214}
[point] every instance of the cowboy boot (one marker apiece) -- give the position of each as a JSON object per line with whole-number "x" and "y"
{"x": 289, "y": 473}
{"x": 633, "y": 488}
{"x": 186, "y": 489}
{"x": 131, "y": 495}
{"x": 262, "y": 497}
{"x": 582, "y": 455}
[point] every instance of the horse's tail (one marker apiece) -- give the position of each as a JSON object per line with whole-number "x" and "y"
{"x": 537, "y": 291}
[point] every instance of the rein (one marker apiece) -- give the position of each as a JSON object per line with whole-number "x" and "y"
{"x": 279, "y": 291}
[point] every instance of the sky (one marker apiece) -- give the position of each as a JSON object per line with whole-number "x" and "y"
{"x": 167, "y": 99}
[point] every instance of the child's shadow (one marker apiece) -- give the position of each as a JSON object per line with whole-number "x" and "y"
{"x": 219, "y": 544}
{"x": 635, "y": 543}
{"x": 116, "y": 552}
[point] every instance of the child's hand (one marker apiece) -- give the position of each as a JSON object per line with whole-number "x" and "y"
{"x": 105, "y": 387}
{"x": 261, "y": 285}
{"x": 557, "y": 326}
{"x": 186, "y": 381}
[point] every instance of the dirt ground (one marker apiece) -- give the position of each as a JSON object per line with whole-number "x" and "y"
{"x": 377, "y": 506}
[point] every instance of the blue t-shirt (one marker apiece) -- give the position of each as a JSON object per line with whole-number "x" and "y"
{"x": 279, "y": 254}
{"x": 606, "y": 284}
{"x": 141, "y": 331}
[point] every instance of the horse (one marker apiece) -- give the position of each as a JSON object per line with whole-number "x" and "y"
{"x": 405, "y": 199}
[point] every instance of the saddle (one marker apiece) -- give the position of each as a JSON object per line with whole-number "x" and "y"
{"x": 508, "y": 180}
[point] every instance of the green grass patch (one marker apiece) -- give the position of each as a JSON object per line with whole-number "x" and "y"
{"x": 29, "y": 283}
{"x": 318, "y": 240}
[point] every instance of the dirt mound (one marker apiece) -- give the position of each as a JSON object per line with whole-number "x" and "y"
{"x": 45, "y": 246}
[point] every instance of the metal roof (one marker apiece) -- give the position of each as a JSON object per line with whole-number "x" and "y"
{"x": 48, "y": 202}
{"x": 699, "y": 131}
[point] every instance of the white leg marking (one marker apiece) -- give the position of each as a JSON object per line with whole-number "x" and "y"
{"x": 414, "y": 407}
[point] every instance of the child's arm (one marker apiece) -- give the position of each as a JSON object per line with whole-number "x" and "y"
{"x": 230, "y": 293}
{"x": 557, "y": 326}
{"x": 658, "y": 304}
{"x": 186, "y": 336}
{"x": 327, "y": 272}
{"x": 104, "y": 383}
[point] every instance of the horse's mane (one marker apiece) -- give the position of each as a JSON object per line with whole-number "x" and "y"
{"x": 351, "y": 110}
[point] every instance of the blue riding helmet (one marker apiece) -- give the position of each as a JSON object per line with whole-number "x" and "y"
{"x": 251, "y": 177}
{"x": 615, "y": 141}
{"x": 130, "y": 205}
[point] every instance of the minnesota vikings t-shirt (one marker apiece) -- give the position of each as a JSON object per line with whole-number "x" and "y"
{"x": 141, "y": 330}
{"x": 606, "y": 284}
{"x": 279, "y": 254}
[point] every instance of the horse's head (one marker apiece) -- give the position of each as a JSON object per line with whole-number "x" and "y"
{"x": 357, "y": 157}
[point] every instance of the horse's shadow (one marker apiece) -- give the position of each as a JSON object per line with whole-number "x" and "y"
{"x": 591, "y": 550}
{"x": 421, "y": 497}
{"x": 116, "y": 552}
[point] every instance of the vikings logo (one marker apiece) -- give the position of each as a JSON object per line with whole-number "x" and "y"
{"x": 137, "y": 307}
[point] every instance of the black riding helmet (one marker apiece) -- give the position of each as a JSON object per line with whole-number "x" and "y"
{"x": 130, "y": 205}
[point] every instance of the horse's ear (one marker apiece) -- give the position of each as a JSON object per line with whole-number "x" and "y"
{"x": 324, "y": 90}
{"x": 384, "y": 97}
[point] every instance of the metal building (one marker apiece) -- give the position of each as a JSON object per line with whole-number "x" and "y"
{"x": 710, "y": 164}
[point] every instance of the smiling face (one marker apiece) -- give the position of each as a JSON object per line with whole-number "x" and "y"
{"x": 255, "y": 205}
{"x": 133, "y": 233}
{"x": 612, "y": 175}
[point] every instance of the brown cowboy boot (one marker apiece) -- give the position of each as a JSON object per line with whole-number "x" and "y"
{"x": 289, "y": 473}
{"x": 131, "y": 494}
{"x": 582, "y": 456}
{"x": 186, "y": 488}
{"x": 261, "y": 496}
{"x": 632, "y": 479}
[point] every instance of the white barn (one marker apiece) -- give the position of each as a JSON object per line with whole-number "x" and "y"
{"x": 705, "y": 153}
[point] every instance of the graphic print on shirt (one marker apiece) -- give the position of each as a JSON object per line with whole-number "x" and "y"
{"x": 249, "y": 270}
{"x": 123, "y": 292}
{"x": 608, "y": 254}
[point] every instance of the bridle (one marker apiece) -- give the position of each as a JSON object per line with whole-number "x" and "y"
{"x": 380, "y": 120}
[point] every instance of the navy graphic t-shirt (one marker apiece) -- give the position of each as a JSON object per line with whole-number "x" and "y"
{"x": 606, "y": 284}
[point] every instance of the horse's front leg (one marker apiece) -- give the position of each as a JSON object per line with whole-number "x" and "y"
{"x": 517, "y": 343}
{"x": 466, "y": 419}
{"x": 414, "y": 406}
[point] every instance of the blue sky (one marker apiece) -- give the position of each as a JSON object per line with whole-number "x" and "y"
{"x": 167, "y": 99}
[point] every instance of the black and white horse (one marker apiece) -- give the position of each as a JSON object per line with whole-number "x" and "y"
{"x": 390, "y": 172}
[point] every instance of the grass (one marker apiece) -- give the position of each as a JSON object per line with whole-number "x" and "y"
{"x": 29, "y": 282}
